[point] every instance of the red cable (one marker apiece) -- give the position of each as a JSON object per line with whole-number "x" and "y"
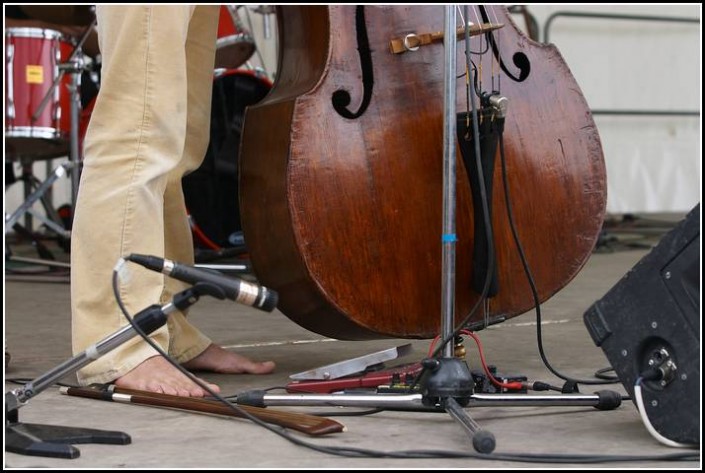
{"x": 202, "y": 236}
{"x": 510, "y": 385}
{"x": 433, "y": 343}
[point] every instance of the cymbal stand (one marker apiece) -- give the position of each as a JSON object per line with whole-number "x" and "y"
{"x": 74, "y": 65}
{"x": 265, "y": 11}
{"x": 74, "y": 68}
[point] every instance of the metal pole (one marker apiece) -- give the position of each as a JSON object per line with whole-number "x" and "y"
{"x": 604, "y": 400}
{"x": 449, "y": 237}
{"x": 74, "y": 151}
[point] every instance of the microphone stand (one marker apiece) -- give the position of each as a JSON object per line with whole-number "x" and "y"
{"x": 447, "y": 381}
{"x": 55, "y": 441}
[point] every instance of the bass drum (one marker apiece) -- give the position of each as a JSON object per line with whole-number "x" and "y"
{"x": 211, "y": 191}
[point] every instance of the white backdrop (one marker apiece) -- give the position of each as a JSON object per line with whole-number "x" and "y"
{"x": 653, "y": 162}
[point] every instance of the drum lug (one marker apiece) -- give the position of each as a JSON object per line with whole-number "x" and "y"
{"x": 57, "y": 56}
{"x": 56, "y": 115}
{"x": 10, "y": 58}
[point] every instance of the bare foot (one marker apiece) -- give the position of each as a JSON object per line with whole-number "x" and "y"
{"x": 158, "y": 375}
{"x": 219, "y": 360}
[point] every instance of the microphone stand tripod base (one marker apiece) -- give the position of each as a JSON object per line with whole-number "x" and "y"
{"x": 447, "y": 382}
{"x": 446, "y": 386}
{"x": 51, "y": 440}
{"x": 56, "y": 441}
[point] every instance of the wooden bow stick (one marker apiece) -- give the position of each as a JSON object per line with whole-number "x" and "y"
{"x": 308, "y": 424}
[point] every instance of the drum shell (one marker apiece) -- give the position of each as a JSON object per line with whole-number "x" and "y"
{"x": 235, "y": 44}
{"x": 32, "y": 59}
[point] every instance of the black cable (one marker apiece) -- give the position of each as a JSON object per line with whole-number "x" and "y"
{"x": 491, "y": 250}
{"x": 530, "y": 278}
{"x": 541, "y": 386}
{"x": 466, "y": 21}
{"x": 601, "y": 374}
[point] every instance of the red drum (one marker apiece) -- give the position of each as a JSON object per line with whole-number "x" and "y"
{"x": 32, "y": 58}
{"x": 212, "y": 191}
{"x": 234, "y": 45}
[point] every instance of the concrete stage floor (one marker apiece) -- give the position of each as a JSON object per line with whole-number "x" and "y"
{"x": 37, "y": 334}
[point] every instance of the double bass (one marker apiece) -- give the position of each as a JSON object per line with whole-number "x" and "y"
{"x": 341, "y": 178}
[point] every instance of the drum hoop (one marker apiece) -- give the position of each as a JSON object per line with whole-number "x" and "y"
{"x": 255, "y": 73}
{"x": 37, "y": 33}
{"x": 43, "y": 132}
{"x": 233, "y": 39}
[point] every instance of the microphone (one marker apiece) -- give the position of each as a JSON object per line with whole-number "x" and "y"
{"x": 235, "y": 289}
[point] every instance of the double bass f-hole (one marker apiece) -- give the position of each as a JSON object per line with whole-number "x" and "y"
{"x": 341, "y": 97}
{"x": 519, "y": 59}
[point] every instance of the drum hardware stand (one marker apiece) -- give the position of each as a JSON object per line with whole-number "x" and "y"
{"x": 39, "y": 194}
{"x": 55, "y": 441}
{"x": 243, "y": 268}
{"x": 204, "y": 257}
{"x": 51, "y": 220}
{"x": 446, "y": 383}
{"x": 74, "y": 66}
{"x": 265, "y": 11}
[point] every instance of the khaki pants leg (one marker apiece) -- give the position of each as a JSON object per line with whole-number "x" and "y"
{"x": 150, "y": 124}
{"x": 200, "y": 57}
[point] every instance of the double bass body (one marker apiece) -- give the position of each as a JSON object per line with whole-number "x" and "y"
{"x": 342, "y": 181}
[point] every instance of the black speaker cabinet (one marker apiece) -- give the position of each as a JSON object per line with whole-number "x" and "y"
{"x": 651, "y": 319}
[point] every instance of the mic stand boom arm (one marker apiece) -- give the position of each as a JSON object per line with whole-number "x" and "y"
{"x": 148, "y": 320}
{"x": 54, "y": 441}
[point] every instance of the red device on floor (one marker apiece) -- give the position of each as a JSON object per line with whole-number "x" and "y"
{"x": 365, "y": 372}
